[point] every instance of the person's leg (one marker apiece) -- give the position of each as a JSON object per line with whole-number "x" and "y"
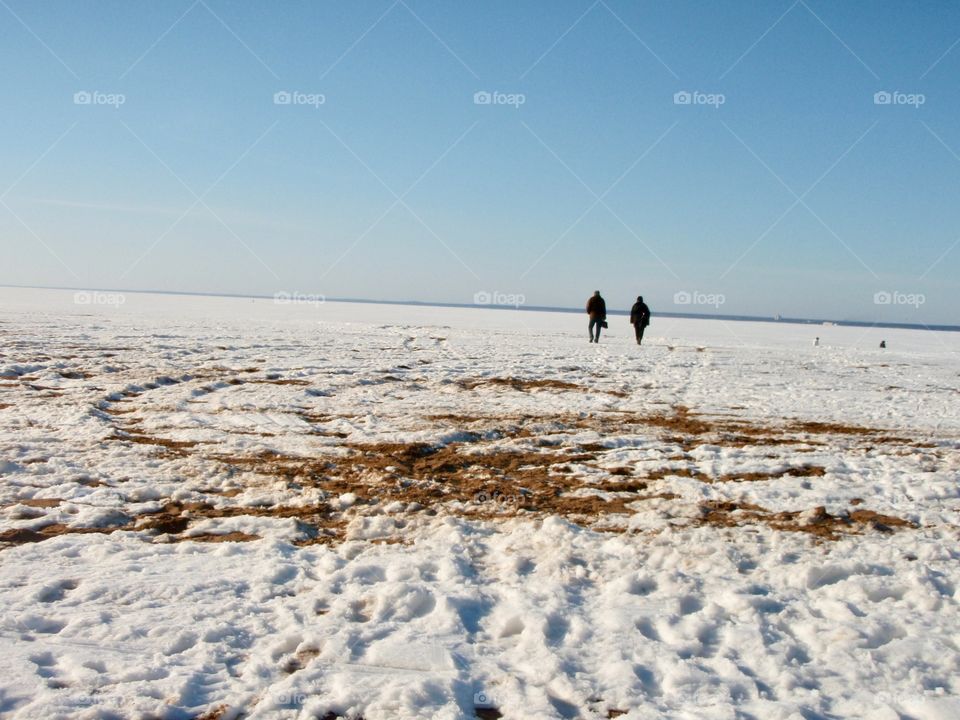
{"x": 599, "y": 326}
{"x": 640, "y": 329}
{"x": 590, "y": 328}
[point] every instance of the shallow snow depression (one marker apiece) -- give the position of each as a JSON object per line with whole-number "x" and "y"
{"x": 222, "y": 508}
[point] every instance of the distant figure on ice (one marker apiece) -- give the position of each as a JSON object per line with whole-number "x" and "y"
{"x": 597, "y": 310}
{"x": 816, "y": 341}
{"x": 639, "y": 318}
{"x": 883, "y": 343}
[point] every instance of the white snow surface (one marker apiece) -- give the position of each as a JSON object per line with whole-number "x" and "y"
{"x": 109, "y": 413}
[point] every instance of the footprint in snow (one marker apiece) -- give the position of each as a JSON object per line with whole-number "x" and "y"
{"x": 183, "y": 642}
{"x": 525, "y": 566}
{"x": 46, "y": 668}
{"x": 556, "y": 629}
{"x": 359, "y": 611}
{"x": 646, "y": 628}
{"x": 641, "y": 586}
{"x": 651, "y": 686}
{"x": 42, "y": 660}
{"x": 767, "y": 606}
{"x": 57, "y": 591}
{"x": 690, "y": 604}
{"x": 38, "y": 624}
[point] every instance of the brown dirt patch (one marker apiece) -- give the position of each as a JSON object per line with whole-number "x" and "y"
{"x": 491, "y": 482}
{"x": 215, "y": 713}
{"x": 801, "y": 471}
{"x": 623, "y": 486}
{"x": 482, "y": 479}
{"x": 235, "y": 536}
{"x": 320, "y": 523}
{"x": 825, "y": 428}
{"x": 117, "y": 409}
{"x": 41, "y": 502}
{"x": 173, "y": 447}
{"x": 817, "y": 522}
{"x": 529, "y": 385}
{"x": 486, "y": 483}
{"x": 688, "y": 472}
{"x": 299, "y": 660}
{"x": 21, "y": 536}
{"x": 274, "y": 381}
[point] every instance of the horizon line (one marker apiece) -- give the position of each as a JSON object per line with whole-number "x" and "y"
{"x": 520, "y": 307}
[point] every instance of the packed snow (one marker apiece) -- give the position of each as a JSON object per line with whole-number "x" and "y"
{"x": 230, "y": 507}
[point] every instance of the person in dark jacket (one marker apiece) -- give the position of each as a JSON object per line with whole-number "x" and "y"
{"x": 597, "y": 310}
{"x": 639, "y": 318}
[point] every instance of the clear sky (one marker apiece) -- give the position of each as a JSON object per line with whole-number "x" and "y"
{"x": 144, "y": 147}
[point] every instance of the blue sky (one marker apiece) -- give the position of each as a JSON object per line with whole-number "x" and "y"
{"x": 799, "y": 194}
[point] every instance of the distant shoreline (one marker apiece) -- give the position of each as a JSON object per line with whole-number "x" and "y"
{"x": 526, "y": 308}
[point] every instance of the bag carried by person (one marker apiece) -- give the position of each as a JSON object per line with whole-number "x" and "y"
{"x": 603, "y": 324}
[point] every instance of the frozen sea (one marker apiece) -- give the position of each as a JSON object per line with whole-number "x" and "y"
{"x": 221, "y": 507}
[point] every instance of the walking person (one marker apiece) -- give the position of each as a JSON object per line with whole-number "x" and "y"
{"x": 639, "y": 318}
{"x": 597, "y": 310}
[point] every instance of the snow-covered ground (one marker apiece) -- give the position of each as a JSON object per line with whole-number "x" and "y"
{"x": 223, "y": 507}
